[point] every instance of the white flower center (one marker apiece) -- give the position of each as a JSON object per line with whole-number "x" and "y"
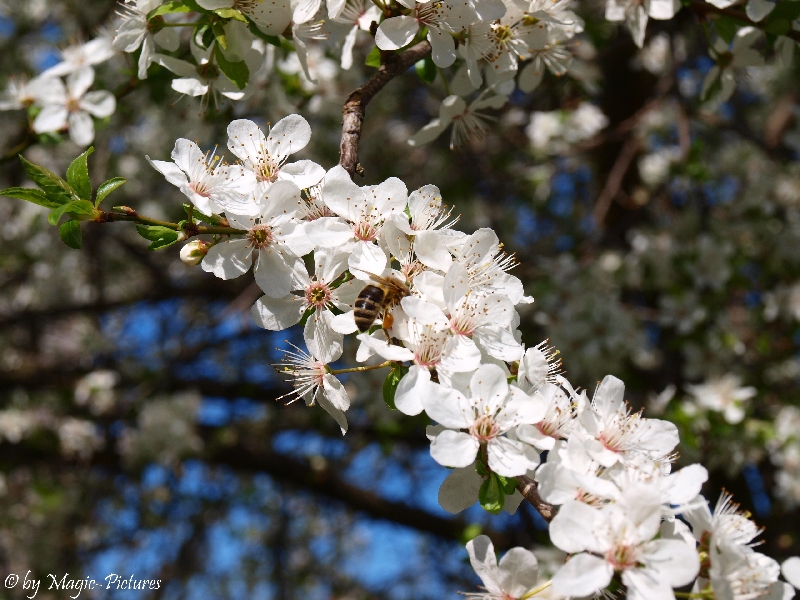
{"x": 622, "y": 557}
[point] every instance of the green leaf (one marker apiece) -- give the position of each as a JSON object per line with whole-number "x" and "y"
{"x": 727, "y": 27}
{"x": 231, "y": 13}
{"x": 390, "y": 384}
{"x": 778, "y": 26}
{"x": 70, "y": 233}
{"x": 56, "y": 189}
{"x": 78, "y": 175}
{"x": 788, "y": 10}
{"x": 507, "y": 484}
{"x": 30, "y": 195}
{"x": 426, "y": 69}
{"x": 270, "y": 39}
{"x": 219, "y": 34}
{"x": 491, "y": 495}
{"x": 160, "y": 236}
{"x": 237, "y": 72}
{"x": 105, "y": 188}
{"x": 175, "y": 6}
{"x": 76, "y": 207}
{"x": 373, "y": 58}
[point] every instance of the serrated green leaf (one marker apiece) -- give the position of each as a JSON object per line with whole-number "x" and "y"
{"x": 426, "y": 69}
{"x": 29, "y": 195}
{"x": 373, "y": 58}
{"x": 491, "y": 495}
{"x": 175, "y": 6}
{"x": 78, "y": 175}
{"x": 105, "y": 188}
{"x": 56, "y": 189}
{"x": 231, "y": 13}
{"x": 70, "y": 233}
{"x": 237, "y": 72}
{"x": 270, "y": 39}
{"x": 161, "y": 237}
{"x": 76, "y": 207}
{"x": 390, "y": 384}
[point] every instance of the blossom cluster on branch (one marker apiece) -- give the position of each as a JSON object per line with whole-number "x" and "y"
{"x": 438, "y": 308}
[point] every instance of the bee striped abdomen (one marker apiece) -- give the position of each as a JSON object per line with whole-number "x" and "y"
{"x": 367, "y": 306}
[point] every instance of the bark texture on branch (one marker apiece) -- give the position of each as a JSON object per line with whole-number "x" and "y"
{"x": 530, "y": 491}
{"x": 353, "y": 110}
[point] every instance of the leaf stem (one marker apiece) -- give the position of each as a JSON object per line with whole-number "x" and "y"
{"x": 190, "y": 229}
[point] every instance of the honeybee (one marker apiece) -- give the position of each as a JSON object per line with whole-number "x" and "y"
{"x": 377, "y": 300}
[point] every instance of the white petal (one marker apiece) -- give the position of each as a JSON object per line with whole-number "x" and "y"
{"x": 289, "y": 135}
{"x": 368, "y": 259}
{"x": 484, "y": 561}
{"x": 81, "y": 128}
{"x": 490, "y": 385}
{"x": 322, "y": 341}
{"x": 229, "y": 259}
{"x": 327, "y": 405}
{"x": 169, "y": 170}
{"x": 100, "y": 103}
{"x": 412, "y": 389}
{"x": 277, "y": 314}
{"x": 570, "y": 529}
{"x": 454, "y": 449}
{"x": 396, "y": 32}
{"x": 52, "y": 118}
{"x": 335, "y": 392}
{"x": 791, "y": 570}
{"x": 274, "y": 271}
{"x": 329, "y": 232}
{"x": 245, "y": 139}
{"x": 443, "y": 47}
{"x": 446, "y": 406}
{"x": 304, "y": 173}
{"x": 80, "y": 81}
{"x": 583, "y": 575}
{"x": 344, "y": 323}
{"x": 531, "y": 76}
{"x": 189, "y": 86}
{"x": 519, "y": 572}
{"x": 510, "y": 458}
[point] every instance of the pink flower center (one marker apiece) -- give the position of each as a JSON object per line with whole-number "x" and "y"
{"x": 484, "y": 429}
{"x": 261, "y": 236}
{"x": 268, "y": 169}
{"x": 318, "y": 294}
{"x": 199, "y": 189}
{"x": 622, "y": 557}
{"x": 365, "y": 231}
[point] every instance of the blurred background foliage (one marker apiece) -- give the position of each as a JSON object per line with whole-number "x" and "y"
{"x": 140, "y": 422}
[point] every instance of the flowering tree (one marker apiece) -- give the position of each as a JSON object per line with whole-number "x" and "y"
{"x": 381, "y": 279}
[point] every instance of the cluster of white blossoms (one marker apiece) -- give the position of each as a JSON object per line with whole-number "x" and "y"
{"x": 438, "y": 307}
{"x": 61, "y": 105}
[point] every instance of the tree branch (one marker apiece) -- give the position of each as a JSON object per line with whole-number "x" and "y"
{"x": 530, "y": 491}
{"x": 353, "y": 110}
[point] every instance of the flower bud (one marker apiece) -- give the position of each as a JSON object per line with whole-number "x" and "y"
{"x": 193, "y": 252}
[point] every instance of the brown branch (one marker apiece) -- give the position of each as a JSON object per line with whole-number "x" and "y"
{"x": 353, "y": 110}
{"x": 614, "y": 181}
{"x": 530, "y": 491}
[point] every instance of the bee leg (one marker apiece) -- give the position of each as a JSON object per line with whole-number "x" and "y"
{"x": 388, "y": 320}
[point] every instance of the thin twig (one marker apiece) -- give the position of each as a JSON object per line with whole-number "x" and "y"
{"x": 614, "y": 181}
{"x": 530, "y": 491}
{"x": 353, "y": 110}
{"x": 703, "y": 8}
